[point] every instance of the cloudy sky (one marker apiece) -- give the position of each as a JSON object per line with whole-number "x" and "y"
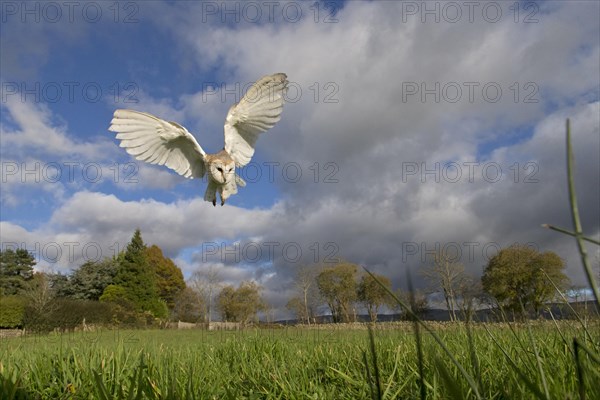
{"x": 408, "y": 128}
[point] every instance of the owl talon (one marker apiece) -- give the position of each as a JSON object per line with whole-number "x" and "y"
{"x": 222, "y": 202}
{"x": 214, "y": 203}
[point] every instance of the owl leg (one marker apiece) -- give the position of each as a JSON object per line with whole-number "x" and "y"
{"x": 211, "y": 193}
{"x": 223, "y": 197}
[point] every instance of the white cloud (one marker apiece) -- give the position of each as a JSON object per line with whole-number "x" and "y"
{"x": 38, "y": 132}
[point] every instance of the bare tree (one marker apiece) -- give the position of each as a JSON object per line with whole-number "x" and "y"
{"x": 305, "y": 284}
{"x": 39, "y": 293}
{"x": 207, "y": 282}
{"x": 446, "y": 275}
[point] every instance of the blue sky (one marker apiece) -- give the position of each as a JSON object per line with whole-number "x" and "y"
{"x": 377, "y": 90}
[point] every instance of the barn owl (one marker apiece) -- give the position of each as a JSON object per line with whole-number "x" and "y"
{"x": 156, "y": 141}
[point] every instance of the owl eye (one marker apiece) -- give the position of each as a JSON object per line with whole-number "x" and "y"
{"x": 219, "y": 169}
{"x": 230, "y": 169}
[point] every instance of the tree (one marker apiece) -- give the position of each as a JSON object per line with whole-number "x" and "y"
{"x": 226, "y": 303}
{"x": 40, "y": 305}
{"x": 446, "y": 276}
{"x": 469, "y": 292}
{"x": 12, "y": 311}
{"x": 169, "y": 278}
{"x": 134, "y": 275}
{"x": 518, "y": 275}
{"x": 308, "y": 294}
{"x": 189, "y": 306}
{"x": 417, "y": 301}
{"x": 297, "y": 306}
{"x": 372, "y": 295}
{"x": 337, "y": 286}
{"x": 39, "y": 293}
{"x": 90, "y": 279}
{"x": 116, "y": 294}
{"x": 206, "y": 282}
{"x": 16, "y": 268}
{"x": 241, "y": 304}
{"x": 59, "y": 284}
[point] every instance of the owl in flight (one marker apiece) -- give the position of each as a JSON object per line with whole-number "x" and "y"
{"x": 161, "y": 142}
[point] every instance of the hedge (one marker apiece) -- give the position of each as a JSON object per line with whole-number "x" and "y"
{"x": 12, "y": 311}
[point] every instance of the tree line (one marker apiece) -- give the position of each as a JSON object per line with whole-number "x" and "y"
{"x": 141, "y": 286}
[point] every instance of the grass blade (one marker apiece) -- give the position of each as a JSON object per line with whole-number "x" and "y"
{"x": 368, "y": 373}
{"x": 575, "y": 215}
{"x": 375, "y": 364}
{"x": 566, "y": 232}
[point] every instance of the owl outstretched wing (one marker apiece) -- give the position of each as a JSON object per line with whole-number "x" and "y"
{"x": 157, "y": 141}
{"x": 258, "y": 111}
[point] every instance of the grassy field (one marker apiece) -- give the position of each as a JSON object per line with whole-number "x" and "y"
{"x": 536, "y": 360}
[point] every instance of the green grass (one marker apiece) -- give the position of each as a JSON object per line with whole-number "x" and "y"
{"x": 299, "y": 363}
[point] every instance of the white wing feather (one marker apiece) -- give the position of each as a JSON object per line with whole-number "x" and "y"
{"x": 258, "y": 111}
{"x": 156, "y": 141}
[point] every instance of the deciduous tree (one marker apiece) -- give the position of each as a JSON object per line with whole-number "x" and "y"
{"x": 189, "y": 306}
{"x": 169, "y": 278}
{"x": 519, "y": 275}
{"x": 337, "y": 286}
{"x": 446, "y": 276}
{"x": 296, "y": 306}
{"x": 308, "y": 293}
{"x": 241, "y": 304}
{"x": 372, "y": 295}
{"x": 206, "y": 282}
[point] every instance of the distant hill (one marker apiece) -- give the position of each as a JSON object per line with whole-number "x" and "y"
{"x": 556, "y": 310}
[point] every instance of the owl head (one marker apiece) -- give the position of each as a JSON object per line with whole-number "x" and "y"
{"x": 222, "y": 171}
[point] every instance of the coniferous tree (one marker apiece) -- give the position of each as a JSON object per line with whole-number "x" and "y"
{"x": 89, "y": 280}
{"x": 16, "y": 268}
{"x": 138, "y": 280}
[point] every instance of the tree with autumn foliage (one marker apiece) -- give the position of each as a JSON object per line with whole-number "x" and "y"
{"x": 522, "y": 277}
{"x": 168, "y": 277}
{"x": 241, "y": 304}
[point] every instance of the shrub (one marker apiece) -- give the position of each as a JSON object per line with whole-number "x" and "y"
{"x": 12, "y": 310}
